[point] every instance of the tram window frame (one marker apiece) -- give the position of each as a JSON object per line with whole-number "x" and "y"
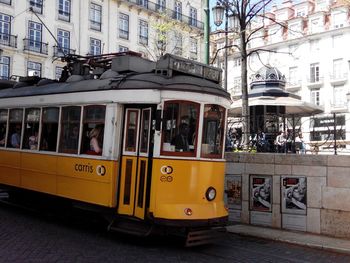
{"x": 131, "y": 131}
{"x": 213, "y": 126}
{"x": 31, "y": 129}
{"x": 67, "y": 129}
{"x": 168, "y": 147}
{"x": 4, "y": 118}
{"x": 49, "y": 129}
{"x": 89, "y": 124}
{"x": 15, "y": 125}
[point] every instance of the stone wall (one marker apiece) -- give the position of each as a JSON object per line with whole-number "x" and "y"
{"x": 327, "y": 191}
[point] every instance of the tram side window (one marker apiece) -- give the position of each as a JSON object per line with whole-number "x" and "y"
{"x": 31, "y": 129}
{"x": 3, "y": 127}
{"x": 213, "y": 131}
{"x": 49, "y": 132}
{"x": 93, "y": 129}
{"x": 15, "y": 128}
{"x": 180, "y": 127}
{"x": 70, "y": 127}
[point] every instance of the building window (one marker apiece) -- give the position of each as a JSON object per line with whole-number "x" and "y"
{"x": 37, "y": 5}
{"x": 5, "y": 29}
{"x": 123, "y": 26}
{"x": 64, "y": 10}
{"x": 33, "y": 69}
{"x": 194, "y": 45}
{"x": 178, "y": 10}
{"x": 339, "y": 19}
{"x": 193, "y": 16}
{"x": 237, "y": 88}
{"x": 339, "y": 95}
{"x": 178, "y": 44}
{"x": 315, "y": 25}
{"x": 300, "y": 12}
{"x": 315, "y": 96}
{"x": 237, "y": 62}
{"x": 337, "y": 41}
{"x": 95, "y": 17}
{"x": 337, "y": 68}
{"x": 143, "y": 32}
{"x": 4, "y": 67}
{"x": 123, "y": 49}
{"x": 161, "y": 5}
{"x": 293, "y": 76}
{"x": 35, "y": 37}
{"x": 314, "y": 72}
{"x": 58, "y": 72}
{"x": 63, "y": 39}
{"x": 143, "y": 3}
{"x": 95, "y": 47}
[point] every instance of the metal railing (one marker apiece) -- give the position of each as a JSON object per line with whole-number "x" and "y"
{"x": 321, "y": 134}
{"x": 154, "y": 7}
{"x": 8, "y": 40}
{"x": 35, "y": 46}
{"x": 62, "y": 51}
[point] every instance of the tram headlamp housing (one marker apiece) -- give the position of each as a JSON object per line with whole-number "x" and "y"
{"x": 210, "y": 194}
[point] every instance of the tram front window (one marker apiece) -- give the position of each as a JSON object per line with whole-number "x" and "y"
{"x": 213, "y": 131}
{"x": 180, "y": 127}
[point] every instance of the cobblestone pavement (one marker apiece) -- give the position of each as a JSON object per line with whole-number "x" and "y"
{"x": 27, "y": 237}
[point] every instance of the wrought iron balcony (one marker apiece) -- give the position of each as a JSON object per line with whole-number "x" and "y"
{"x": 154, "y": 7}
{"x": 8, "y": 40}
{"x": 6, "y": 2}
{"x": 62, "y": 51}
{"x": 35, "y": 46}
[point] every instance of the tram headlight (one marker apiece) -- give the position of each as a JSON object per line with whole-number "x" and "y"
{"x": 210, "y": 194}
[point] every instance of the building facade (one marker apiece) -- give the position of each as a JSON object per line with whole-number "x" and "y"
{"x": 307, "y": 41}
{"x": 35, "y": 34}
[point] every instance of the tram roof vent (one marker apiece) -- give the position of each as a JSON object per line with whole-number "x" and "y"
{"x": 132, "y": 64}
{"x": 171, "y": 65}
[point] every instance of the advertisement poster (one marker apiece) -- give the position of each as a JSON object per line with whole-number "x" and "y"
{"x": 294, "y": 195}
{"x": 234, "y": 192}
{"x": 261, "y": 193}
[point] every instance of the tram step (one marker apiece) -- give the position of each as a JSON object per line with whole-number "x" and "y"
{"x": 138, "y": 228}
{"x": 205, "y": 236}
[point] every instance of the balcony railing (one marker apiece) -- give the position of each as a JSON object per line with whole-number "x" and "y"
{"x": 62, "y": 15}
{"x": 95, "y": 25}
{"x": 338, "y": 79}
{"x": 154, "y": 7}
{"x": 8, "y": 40}
{"x": 35, "y": 46}
{"x": 62, "y": 51}
{"x": 6, "y": 2}
{"x": 315, "y": 82}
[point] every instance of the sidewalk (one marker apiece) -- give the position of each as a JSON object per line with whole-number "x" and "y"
{"x": 298, "y": 238}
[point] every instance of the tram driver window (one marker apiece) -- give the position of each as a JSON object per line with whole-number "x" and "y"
{"x": 213, "y": 131}
{"x": 49, "y": 132}
{"x": 180, "y": 127}
{"x": 3, "y": 127}
{"x": 31, "y": 129}
{"x": 15, "y": 128}
{"x": 93, "y": 129}
{"x": 70, "y": 128}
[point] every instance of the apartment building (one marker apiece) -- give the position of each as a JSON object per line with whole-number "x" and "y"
{"x": 35, "y": 34}
{"x": 307, "y": 41}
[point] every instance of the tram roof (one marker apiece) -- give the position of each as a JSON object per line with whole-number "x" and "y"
{"x": 130, "y": 81}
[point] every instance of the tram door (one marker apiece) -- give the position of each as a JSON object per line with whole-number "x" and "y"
{"x": 135, "y": 155}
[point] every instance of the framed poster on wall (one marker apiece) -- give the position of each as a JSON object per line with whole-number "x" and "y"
{"x": 294, "y": 190}
{"x": 234, "y": 191}
{"x": 261, "y": 193}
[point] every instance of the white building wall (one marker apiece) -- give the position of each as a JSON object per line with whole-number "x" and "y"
{"x": 80, "y": 31}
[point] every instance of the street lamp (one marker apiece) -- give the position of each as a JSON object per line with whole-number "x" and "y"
{"x": 239, "y": 18}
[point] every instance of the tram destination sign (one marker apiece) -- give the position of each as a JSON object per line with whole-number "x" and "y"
{"x": 190, "y": 67}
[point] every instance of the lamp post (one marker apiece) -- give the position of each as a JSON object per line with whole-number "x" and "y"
{"x": 236, "y": 13}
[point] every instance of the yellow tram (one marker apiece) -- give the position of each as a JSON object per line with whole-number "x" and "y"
{"x": 158, "y": 129}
